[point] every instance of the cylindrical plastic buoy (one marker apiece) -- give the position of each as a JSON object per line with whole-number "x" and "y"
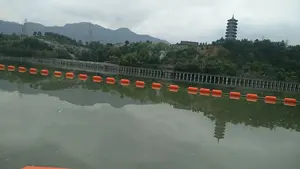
{"x": 57, "y": 73}
{"x": 44, "y": 72}
{"x": 139, "y": 84}
{"x": 97, "y": 79}
{"x": 251, "y": 97}
{"x": 173, "y": 88}
{"x": 216, "y": 93}
{"x": 124, "y": 82}
{"x": 2, "y": 67}
{"x": 21, "y": 69}
{"x": 270, "y": 99}
{"x": 83, "y": 77}
{"x": 235, "y": 95}
{"x": 70, "y": 75}
{"x": 156, "y": 86}
{"x": 33, "y": 71}
{"x": 192, "y": 90}
{"x": 11, "y": 68}
{"x": 110, "y": 80}
{"x": 290, "y": 101}
{"x": 204, "y": 91}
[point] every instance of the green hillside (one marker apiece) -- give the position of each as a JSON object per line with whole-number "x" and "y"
{"x": 255, "y": 59}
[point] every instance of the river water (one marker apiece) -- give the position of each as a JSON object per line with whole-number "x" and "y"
{"x": 82, "y": 125}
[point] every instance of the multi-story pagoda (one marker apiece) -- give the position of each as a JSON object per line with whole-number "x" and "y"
{"x": 231, "y": 29}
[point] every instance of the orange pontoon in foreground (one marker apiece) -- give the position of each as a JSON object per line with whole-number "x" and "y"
{"x": 34, "y": 167}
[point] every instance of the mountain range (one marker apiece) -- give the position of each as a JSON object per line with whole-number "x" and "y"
{"x": 79, "y": 31}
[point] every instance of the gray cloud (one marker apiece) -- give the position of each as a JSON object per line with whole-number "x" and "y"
{"x": 173, "y": 20}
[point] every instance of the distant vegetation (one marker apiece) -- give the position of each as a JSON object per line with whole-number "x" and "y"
{"x": 253, "y": 59}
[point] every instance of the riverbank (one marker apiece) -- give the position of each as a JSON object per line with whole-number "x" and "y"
{"x": 162, "y": 74}
{"x": 257, "y": 59}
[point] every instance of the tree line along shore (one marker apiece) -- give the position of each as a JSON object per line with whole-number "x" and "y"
{"x": 262, "y": 59}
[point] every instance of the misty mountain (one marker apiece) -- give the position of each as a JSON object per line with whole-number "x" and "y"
{"x": 79, "y": 31}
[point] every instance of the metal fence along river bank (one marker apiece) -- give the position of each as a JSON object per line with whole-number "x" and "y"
{"x": 198, "y": 78}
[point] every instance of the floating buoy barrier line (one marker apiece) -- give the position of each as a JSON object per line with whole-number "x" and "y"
{"x": 33, "y": 71}
{"x": 251, "y": 97}
{"x": 57, "y": 73}
{"x": 124, "y": 82}
{"x": 110, "y": 80}
{"x": 22, "y": 69}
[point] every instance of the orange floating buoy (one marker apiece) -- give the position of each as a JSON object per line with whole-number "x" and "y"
{"x": 124, "y": 82}
{"x": 21, "y": 69}
{"x": 70, "y": 75}
{"x": 251, "y": 97}
{"x": 83, "y": 77}
{"x": 173, "y": 88}
{"x": 97, "y": 79}
{"x": 192, "y": 90}
{"x": 235, "y": 95}
{"x": 216, "y": 93}
{"x": 2, "y": 67}
{"x": 33, "y": 71}
{"x": 36, "y": 167}
{"x": 140, "y": 84}
{"x": 11, "y": 68}
{"x": 110, "y": 80}
{"x": 204, "y": 91}
{"x": 44, "y": 72}
{"x": 57, "y": 73}
{"x": 156, "y": 86}
{"x": 290, "y": 101}
{"x": 270, "y": 99}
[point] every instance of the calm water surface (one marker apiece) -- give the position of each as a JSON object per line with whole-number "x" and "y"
{"x": 82, "y": 125}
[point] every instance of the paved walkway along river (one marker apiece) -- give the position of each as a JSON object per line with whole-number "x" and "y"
{"x": 46, "y": 121}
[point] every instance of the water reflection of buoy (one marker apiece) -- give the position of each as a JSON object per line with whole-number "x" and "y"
{"x": 110, "y": 80}
{"x": 140, "y": 84}
{"x": 33, "y": 71}
{"x": 156, "y": 86}
{"x": 97, "y": 79}
{"x": 290, "y": 101}
{"x": 204, "y": 91}
{"x": 44, "y": 72}
{"x": 124, "y": 82}
{"x": 21, "y": 69}
{"x": 235, "y": 95}
{"x": 11, "y": 68}
{"x": 270, "y": 99}
{"x": 2, "y": 67}
{"x": 173, "y": 88}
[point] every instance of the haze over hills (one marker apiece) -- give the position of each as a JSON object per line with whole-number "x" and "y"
{"x": 80, "y": 31}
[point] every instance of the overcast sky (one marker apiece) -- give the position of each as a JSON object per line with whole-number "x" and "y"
{"x": 172, "y": 20}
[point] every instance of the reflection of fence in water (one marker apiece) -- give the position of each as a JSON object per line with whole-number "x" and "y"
{"x": 107, "y": 68}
